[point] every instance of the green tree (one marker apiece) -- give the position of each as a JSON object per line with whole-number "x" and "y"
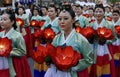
{"x": 113, "y": 1}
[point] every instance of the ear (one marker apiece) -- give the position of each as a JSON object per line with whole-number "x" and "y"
{"x": 73, "y": 20}
{"x": 13, "y": 22}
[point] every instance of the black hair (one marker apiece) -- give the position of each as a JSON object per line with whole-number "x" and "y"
{"x": 77, "y": 5}
{"x": 107, "y": 7}
{"x": 53, "y": 6}
{"x": 69, "y": 9}
{"x": 100, "y": 6}
{"x": 116, "y": 11}
{"x": 45, "y": 7}
{"x": 36, "y": 9}
{"x": 91, "y": 9}
{"x": 12, "y": 17}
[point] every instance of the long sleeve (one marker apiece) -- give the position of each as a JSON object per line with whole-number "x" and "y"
{"x": 19, "y": 48}
{"x": 87, "y": 57}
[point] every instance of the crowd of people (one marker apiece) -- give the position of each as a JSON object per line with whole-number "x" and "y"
{"x": 91, "y": 30}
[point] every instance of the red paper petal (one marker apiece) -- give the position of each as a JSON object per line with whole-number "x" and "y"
{"x": 49, "y": 34}
{"x": 88, "y": 32}
{"x": 78, "y": 29}
{"x": 20, "y": 21}
{"x": 41, "y": 23}
{"x": 109, "y": 18}
{"x": 5, "y": 46}
{"x": 108, "y": 35}
{"x": 50, "y": 50}
{"x": 33, "y": 23}
{"x": 105, "y": 33}
{"x": 65, "y": 57}
{"x": 117, "y": 29}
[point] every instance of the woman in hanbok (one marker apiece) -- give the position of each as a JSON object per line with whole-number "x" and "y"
{"x": 69, "y": 37}
{"x": 115, "y": 46}
{"x": 38, "y": 18}
{"x": 91, "y": 14}
{"x": 53, "y": 22}
{"x": 103, "y": 58}
{"x": 44, "y": 10}
{"x": 38, "y": 70}
{"x": 9, "y": 67}
{"x": 24, "y": 29}
{"x": 108, "y": 11}
{"x": 82, "y": 19}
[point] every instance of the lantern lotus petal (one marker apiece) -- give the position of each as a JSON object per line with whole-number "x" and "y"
{"x": 78, "y": 29}
{"x": 64, "y": 58}
{"x": 117, "y": 29}
{"x": 108, "y": 35}
{"x": 105, "y": 33}
{"x": 5, "y": 46}
{"x": 20, "y": 21}
{"x": 49, "y": 34}
{"x": 86, "y": 15}
{"x": 40, "y": 54}
{"x": 109, "y": 18}
{"x": 34, "y": 23}
{"x": 77, "y": 56}
{"x": 50, "y": 53}
{"x": 88, "y": 32}
{"x": 50, "y": 50}
{"x": 41, "y": 23}
{"x": 38, "y": 33}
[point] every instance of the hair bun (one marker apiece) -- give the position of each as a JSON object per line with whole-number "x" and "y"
{"x": 52, "y": 4}
{"x": 99, "y": 5}
{"x": 66, "y": 6}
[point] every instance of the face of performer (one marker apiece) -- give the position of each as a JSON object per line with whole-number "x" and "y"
{"x": 44, "y": 11}
{"x": 99, "y": 14}
{"x": 21, "y": 11}
{"x": 116, "y": 16}
{"x": 5, "y": 22}
{"x": 35, "y": 12}
{"x": 52, "y": 12}
{"x": 91, "y": 13}
{"x": 78, "y": 10}
{"x": 65, "y": 21}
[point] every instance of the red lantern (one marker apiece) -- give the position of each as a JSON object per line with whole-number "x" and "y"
{"x": 40, "y": 54}
{"x": 49, "y": 34}
{"x": 105, "y": 33}
{"x": 41, "y": 23}
{"x": 77, "y": 56}
{"x": 64, "y": 58}
{"x": 38, "y": 33}
{"x": 20, "y": 21}
{"x": 33, "y": 23}
{"x": 86, "y": 15}
{"x": 78, "y": 29}
{"x": 50, "y": 50}
{"x": 109, "y": 18}
{"x": 88, "y": 32}
{"x": 117, "y": 29}
{"x": 5, "y": 46}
